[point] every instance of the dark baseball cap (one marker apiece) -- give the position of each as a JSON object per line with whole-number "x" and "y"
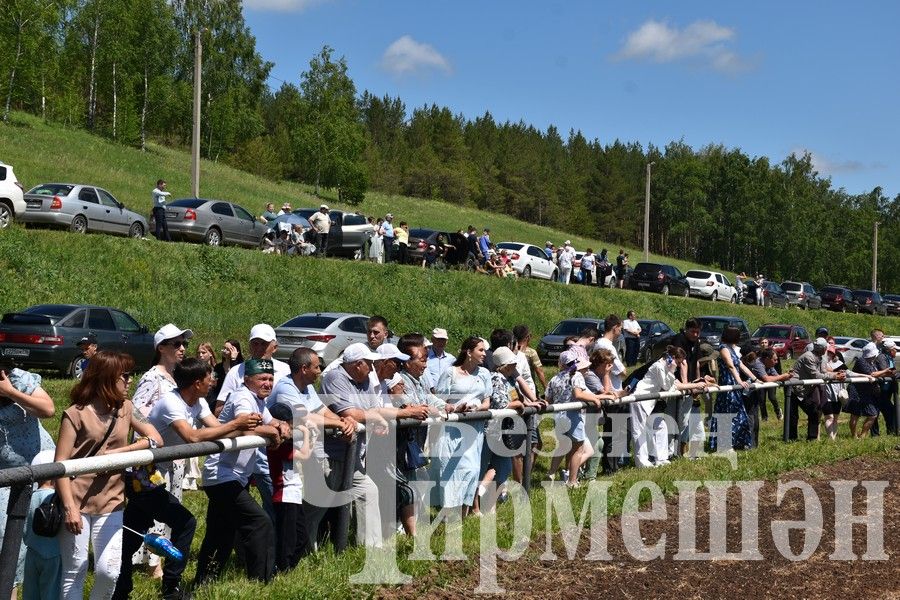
{"x": 87, "y": 340}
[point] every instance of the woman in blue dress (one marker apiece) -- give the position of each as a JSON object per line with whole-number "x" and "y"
{"x": 864, "y": 396}
{"x": 456, "y": 457}
{"x": 730, "y": 370}
{"x": 23, "y": 402}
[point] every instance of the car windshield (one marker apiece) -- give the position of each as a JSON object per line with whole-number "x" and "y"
{"x": 791, "y": 287}
{"x": 510, "y": 246}
{"x": 646, "y": 268}
{"x": 768, "y": 331}
{"x": 52, "y": 189}
{"x": 420, "y": 233}
{"x": 572, "y": 327}
{"x": 188, "y": 202}
{"x": 310, "y": 322}
{"x": 713, "y": 326}
{"x": 698, "y": 274}
{"x": 832, "y": 290}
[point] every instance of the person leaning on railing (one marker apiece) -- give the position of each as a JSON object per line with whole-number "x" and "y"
{"x": 811, "y": 398}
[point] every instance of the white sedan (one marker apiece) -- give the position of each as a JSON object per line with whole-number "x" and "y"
{"x": 850, "y": 348}
{"x": 711, "y": 285}
{"x": 529, "y": 261}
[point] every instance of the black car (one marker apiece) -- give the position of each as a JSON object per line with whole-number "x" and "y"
{"x": 773, "y": 295}
{"x": 655, "y": 336}
{"x": 838, "y": 298}
{"x": 553, "y": 343}
{"x": 420, "y": 238}
{"x": 46, "y": 336}
{"x": 348, "y": 233}
{"x": 892, "y": 303}
{"x": 663, "y": 279}
{"x": 711, "y": 328}
{"x": 870, "y": 302}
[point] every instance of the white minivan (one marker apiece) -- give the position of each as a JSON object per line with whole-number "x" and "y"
{"x": 12, "y": 196}
{"x": 711, "y": 285}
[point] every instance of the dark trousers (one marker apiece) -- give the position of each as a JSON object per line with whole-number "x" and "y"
{"x": 752, "y": 404}
{"x": 321, "y": 243}
{"x": 388, "y": 249}
{"x": 231, "y": 508}
{"x": 813, "y": 414}
{"x": 770, "y": 395}
{"x": 402, "y": 253}
{"x": 586, "y": 276}
{"x": 614, "y": 442}
{"x": 885, "y": 406}
{"x": 291, "y": 539}
{"x": 140, "y": 512}
{"x": 162, "y": 226}
{"x": 632, "y": 347}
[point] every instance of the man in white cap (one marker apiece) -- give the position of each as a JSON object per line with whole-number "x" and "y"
{"x": 321, "y": 222}
{"x": 348, "y": 392}
{"x": 565, "y": 261}
{"x": 810, "y": 398}
{"x": 388, "y": 228}
{"x": 438, "y": 359}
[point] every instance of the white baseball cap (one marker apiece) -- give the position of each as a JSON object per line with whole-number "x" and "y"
{"x": 503, "y": 356}
{"x": 359, "y": 351}
{"x": 870, "y": 350}
{"x": 262, "y": 332}
{"x": 386, "y": 351}
{"x": 439, "y": 333}
{"x": 168, "y": 332}
{"x": 888, "y": 345}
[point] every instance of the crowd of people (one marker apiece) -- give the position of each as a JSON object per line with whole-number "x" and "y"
{"x": 310, "y": 413}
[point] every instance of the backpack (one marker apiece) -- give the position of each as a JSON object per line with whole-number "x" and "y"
{"x": 48, "y": 516}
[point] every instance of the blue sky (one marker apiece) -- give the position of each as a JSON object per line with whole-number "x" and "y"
{"x": 767, "y": 77}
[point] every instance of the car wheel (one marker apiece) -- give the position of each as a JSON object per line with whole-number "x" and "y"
{"x": 213, "y": 237}
{"x": 665, "y": 290}
{"x": 6, "y": 215}
{"x": 714, "y": 297}
{"x": 526, "y": 272}
{"x": 74, "y": 370}
{"x": 136, "y": 230}
{"x": 79, "y": 224}
{"x": 734, "y": 299}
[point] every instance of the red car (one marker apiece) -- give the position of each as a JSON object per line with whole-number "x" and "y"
{"x": 787, "y": 341}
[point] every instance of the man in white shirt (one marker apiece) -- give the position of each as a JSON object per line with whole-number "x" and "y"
{"x": 566, "y": 260}
{"x": 632, "y": 330}
{"x": 159, "y": 211}
{"x": 321, "y": 222}
{"x": 226, "y": 477}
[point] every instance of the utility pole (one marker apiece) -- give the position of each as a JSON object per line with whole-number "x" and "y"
{"x": 875, "y": 258}
{"x": 195, "y": 141}
{"x": 647, "y": 216}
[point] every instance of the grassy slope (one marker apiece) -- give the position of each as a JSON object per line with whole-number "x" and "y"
{"x": 42, "y": 153}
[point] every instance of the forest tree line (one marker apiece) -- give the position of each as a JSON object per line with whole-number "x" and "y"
{"x": 123, "y": 69}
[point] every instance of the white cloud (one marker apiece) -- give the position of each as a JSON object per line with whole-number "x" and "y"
{"x": 281, "y": 5}
{"x": 704, "y": 42}
{"x": 407, "y": 56}
{"x": 826, "y": 165}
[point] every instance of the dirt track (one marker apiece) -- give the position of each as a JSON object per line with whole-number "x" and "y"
{"x": 625, "y": 577}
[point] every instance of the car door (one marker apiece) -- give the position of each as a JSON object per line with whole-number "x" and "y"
{"x": 72, "y": 328}
{"x": 350, "y": 331}
{"x": 115, "y": 218}
{"x": 249, "y": 230}
{"x": 134, "y": 339}
{"x": 801, "y": 339}
{"x": 721, "y": 292}
{"x": 88, "y": 204}
{"x": 538, "y": 262}
{"x": 101, "y": 324}
{"x": 223, "y": 218}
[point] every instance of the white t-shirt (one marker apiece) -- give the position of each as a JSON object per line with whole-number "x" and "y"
{"x": 236, "y": 466}
{"x": 234, "y": 379}
{"x": 171, "y": 407}
{"x": 524, "y": 370}
{"x": 615, "y": 376}
{"x": 631, "y": 327}
{"x": 566, "y": 257}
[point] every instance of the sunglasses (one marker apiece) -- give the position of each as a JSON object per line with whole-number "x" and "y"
{"x": 126, "y": 377}
{"x": 175, "y": 343}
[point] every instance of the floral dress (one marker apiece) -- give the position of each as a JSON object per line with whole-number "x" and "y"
{"x": 22, "y": 437}
{"x": 154, "y": 385}
{"x": 561, "y": 390}
{"x": 732, "y": 403}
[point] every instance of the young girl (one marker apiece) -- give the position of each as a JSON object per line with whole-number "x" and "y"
{"x": 96, "y": 423}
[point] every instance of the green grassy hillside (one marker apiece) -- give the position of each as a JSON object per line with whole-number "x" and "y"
{"x": 42, "y": 153}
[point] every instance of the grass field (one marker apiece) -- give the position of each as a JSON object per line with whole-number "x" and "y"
{"x": 222, "y": 292}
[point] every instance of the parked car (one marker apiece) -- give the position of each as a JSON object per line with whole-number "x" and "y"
{"x": 348, "y": 233}
{"x": 46, "y": 336}
{"x": 711, "y": 285}
{"x": 773, "y": 295}
{"x": 609, "y": 278}
{"x": 892, "y": 304}
{"x": 663, "y": 279}
{"x": 327, "y": 334}
{"x": 655, "y": 336}
{"x": 419, "y": 240}
{"x": 552, "y": 344}
{"x": 529, "y": 261}
{"x": 801, "y": 294}
{"x": 81, "y": 208}
{"x": 870, "y": 302}
{"x": 850, "y": 348}
{"x": 787, "y": 341}
{"x": 838, "y": 298}
{"x": 12, "y": 201}
{"x": 212, "y": 222}
{"x": 711, "y": 328}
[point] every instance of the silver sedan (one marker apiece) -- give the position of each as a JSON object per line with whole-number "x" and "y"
{"x": 213, "y": 222}
{"x": 81, "y": 208}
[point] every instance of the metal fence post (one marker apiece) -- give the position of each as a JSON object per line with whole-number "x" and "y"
{"x": 342, "y": 535}
{"x": 17, "y": 510}
{"x": 529, "y": 454}
{"x": 787, "y": 413}
{"x": 896, "y": 412}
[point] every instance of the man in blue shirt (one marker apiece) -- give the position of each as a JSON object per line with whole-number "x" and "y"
{"x": 388, "y": 229}
{"x": 438, "y": 360}
{"x": 484, "y": 245}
